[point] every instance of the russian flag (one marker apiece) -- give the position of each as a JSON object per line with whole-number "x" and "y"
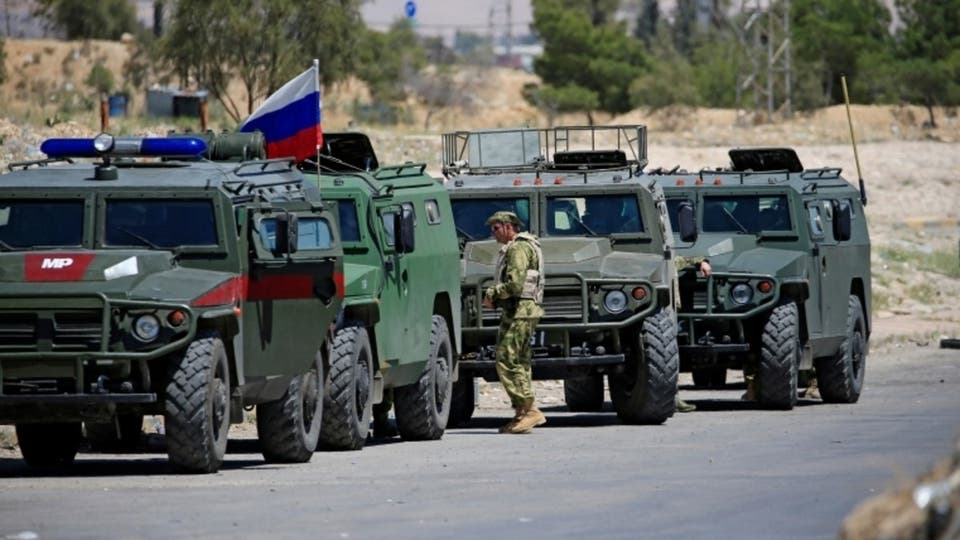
{"x": 290, "y": 117}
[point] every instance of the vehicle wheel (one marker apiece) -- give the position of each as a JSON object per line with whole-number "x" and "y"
{"x": 710, "y": 377}
{"x": 347, "y": 407}
{"x": 102, "y": 436}
{"x": 584, "y": 393}
{"x": 197, "y": 415}
{"x": 646, "y": 392}
{"x": 779, "y": 358}
{"x": 289, "y": 428}
{"x": 462, "y": 401}
{"x": 49, "y": 445}
{"x": 840, "y": 377}
{"x": 423, "y": 408}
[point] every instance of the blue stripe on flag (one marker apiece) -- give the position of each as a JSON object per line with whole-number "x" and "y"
{"x": 288, "y": 120}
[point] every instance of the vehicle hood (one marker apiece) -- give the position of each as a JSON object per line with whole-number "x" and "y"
{"x": 587, "y": 256}
{"x": 130, "y": 274}
{"x": 741, "y": 253}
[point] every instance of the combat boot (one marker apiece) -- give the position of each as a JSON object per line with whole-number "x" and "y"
{"x": 517, "y": 413}
{"x": 683, "y": 407}
{"x": 531, "y": 418}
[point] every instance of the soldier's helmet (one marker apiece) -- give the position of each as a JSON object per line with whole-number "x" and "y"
{"x": 504, "y": 216}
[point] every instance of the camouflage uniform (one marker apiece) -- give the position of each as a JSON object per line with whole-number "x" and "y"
{"x": 681, "y": 262}
{"x": 518, "y": 292}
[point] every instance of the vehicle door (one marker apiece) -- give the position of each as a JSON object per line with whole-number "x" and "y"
{"x": 395, "y": 298}
{"x": 294, "y": 287}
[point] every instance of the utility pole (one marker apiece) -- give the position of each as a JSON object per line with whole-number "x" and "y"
{"x": 509, "y": 29}
{"x": 765, "y": 72}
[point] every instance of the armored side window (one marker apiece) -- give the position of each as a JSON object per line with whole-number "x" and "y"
{"x": 27, "y": 224}
{"x": 433, "y": 211}
{"x": 159, "y": 223}
{"x": 673, "y": 206}
{"x": 349, "y": 223}
{"x": 314, "y": 233}
{"x": 388, "y": 231}
{"x": 815, "y": 219}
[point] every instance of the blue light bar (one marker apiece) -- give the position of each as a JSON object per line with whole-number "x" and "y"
{"x": 125, "y": 146}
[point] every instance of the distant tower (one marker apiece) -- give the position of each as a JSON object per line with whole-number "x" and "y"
{"x": 765, "y": 78}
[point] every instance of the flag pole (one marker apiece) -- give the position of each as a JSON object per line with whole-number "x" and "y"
{"x": 316, "y": 73}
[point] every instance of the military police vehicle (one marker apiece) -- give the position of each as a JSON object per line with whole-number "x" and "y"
{"x": 789, "y": 292}
{"x": 183, "y": 287}
{"x": 399, "y": 329}
{"x": 607, "y": 260}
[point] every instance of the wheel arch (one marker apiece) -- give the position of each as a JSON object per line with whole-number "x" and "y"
{"x": 443, "y": 306}
{"x": 857, "y": 289}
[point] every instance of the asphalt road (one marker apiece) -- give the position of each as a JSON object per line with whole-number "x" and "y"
{"x": 728, "y": 470}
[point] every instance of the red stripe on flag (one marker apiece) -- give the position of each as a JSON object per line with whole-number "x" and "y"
{"x": 300, "y": 146}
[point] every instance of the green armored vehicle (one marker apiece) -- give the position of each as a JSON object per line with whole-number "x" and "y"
{"x": 399, "y": 330}
{"x": 609, "y": 277}
{"x": 789, "y": 293}
{"x": 183, "y": 287}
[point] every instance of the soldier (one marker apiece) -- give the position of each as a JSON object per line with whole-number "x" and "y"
{"x": 703, "y": 266}
{"x": 518, "y": 292}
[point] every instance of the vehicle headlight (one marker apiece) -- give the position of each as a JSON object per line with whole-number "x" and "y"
{"x": 103, "y": 143}
{"x": 615, "y": 301}
{"x": 741, "y": 293}
{"x": 146, "y": 328}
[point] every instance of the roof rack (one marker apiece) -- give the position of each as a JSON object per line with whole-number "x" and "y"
{"x": 563, "y": 148}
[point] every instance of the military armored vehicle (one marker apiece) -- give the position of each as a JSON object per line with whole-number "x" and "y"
{"x": 182, "y": 287}
{"x": 606, "y": 248}
{"x": 399, "y": 329}
{"x": 789, "y": 293}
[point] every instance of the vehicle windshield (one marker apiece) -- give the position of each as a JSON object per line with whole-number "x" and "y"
{"x": 46, "y": 223}
{"x": 470, "y": 215}
{"x": 746, "y": 214}
{"x": 160, "y": 223}
{"x": 590, "y": 215}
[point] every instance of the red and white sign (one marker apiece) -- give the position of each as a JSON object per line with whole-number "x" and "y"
{"x": 56, "y": 266}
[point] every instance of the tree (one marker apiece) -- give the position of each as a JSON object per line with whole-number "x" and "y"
{"x": 100, "y": 79}
{"x": 830, "y": 37}
{"x": 669, "y": 81}
{"x": 82, "y": 19}
{"x": 261, "y": 43}
{"x": 586, "y": 62}
{"x": 386, "y": 61}
{"x": 928, "y": 53}
{"x": 3, "y": 62}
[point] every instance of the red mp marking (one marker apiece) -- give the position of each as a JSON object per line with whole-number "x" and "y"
{"x": 56, "y": 266}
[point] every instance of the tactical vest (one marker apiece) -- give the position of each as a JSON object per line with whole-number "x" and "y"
{"x": 533, "y": 280}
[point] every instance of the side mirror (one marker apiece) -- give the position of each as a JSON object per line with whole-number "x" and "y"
{"x": 686, "y": 222}
{"x": 403, "y": 229}
{"x": 286, "y": 234}
{"x": 842, "y": 221}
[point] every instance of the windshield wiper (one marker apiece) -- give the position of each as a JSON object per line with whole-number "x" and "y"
{"x": 464, "y": 233}
{"x": 6, "y": 247}
{"x": 142, "y": 239}
{"x": 735, "y": 221}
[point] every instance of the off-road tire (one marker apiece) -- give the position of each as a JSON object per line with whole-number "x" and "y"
{"x": 423, "y": 408}
{"x": 102, "y": 436}
{"x": 840, "y": 377}
{"x": 49, "y": 445}
{"x": 710, "y": 377}
{"x": 347, "y": 404}
{"x": 289, "y": 428}
{"x": 780, "y": 350}
{"x": 463, "y": 400}
{"x": 197, "y": 408}
{"x": 584, "y": 393}
{"x": 646, "y": 392}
